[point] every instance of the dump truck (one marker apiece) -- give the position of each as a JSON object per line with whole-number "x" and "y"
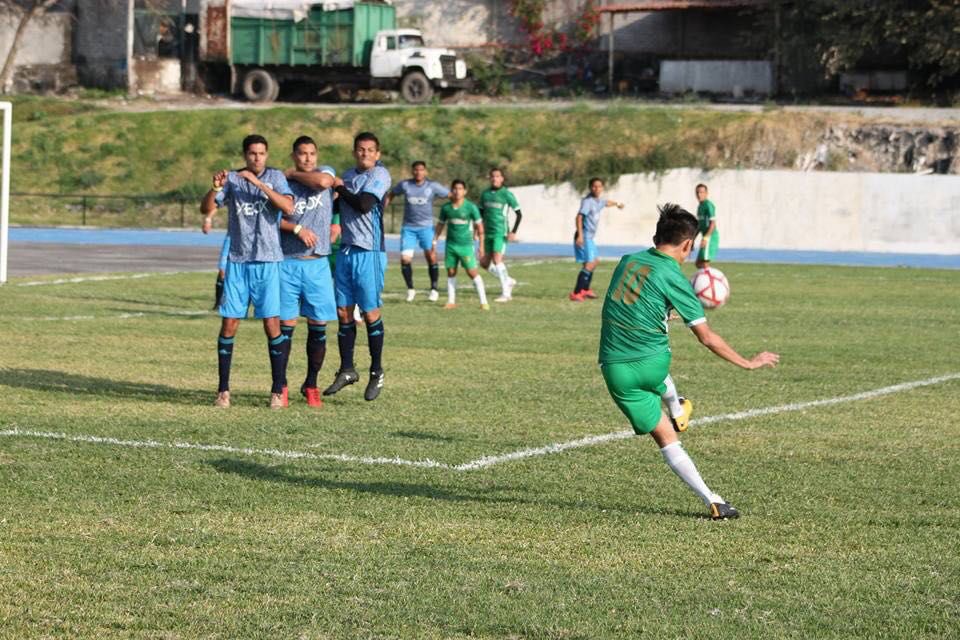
{"x": 337, "y": 45}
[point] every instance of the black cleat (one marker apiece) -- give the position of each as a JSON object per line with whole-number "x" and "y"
{"x": 374, "y": 386}
{"x": 344, "y": 377}
{"x": 723, "y": 511}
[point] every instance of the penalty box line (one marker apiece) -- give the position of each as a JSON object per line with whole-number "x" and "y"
{"x": 486, "y": 461}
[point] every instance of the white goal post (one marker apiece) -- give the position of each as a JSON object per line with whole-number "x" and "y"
{"x": 7, "y": 109}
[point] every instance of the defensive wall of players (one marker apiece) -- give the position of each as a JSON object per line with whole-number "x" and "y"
{"x": 789, "y": 210}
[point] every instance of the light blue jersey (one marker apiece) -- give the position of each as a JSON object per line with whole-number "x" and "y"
{"x": 364, "y": 230}
{"x": 313, "y": 209}
{"x": 253, "y": 223}
{"x": 590, "y": 209}
{"x": 418, "y": 201}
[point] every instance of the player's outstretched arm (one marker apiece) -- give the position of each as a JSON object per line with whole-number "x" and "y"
{"x": 712, "y": 340}
{"x": 614, "y": 203}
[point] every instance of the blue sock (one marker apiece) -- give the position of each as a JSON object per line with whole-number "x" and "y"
{"x": 224, "y": 359}
{"x": 375, "y": 341}
{"x": 346, "y": 337}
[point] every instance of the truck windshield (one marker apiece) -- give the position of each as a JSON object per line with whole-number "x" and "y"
{"x": 409, "y": 42}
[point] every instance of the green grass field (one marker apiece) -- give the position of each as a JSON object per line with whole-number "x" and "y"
{"x": 850, "y": 522}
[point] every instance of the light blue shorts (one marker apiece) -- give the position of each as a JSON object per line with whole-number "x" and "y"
{"x": 224, "y": 252}
{"x": 358, "y": 278}
{"x": 586, "y": 253}
{"x": 306, "y": 289}
{"x": 412, "y": 237}
{"x": 251, "y": 282}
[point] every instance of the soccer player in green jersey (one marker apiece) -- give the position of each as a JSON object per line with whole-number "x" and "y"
{"x": 635, "y": 349}
{"x": 707, "y": 219}
{"x": 461, "y": 217}
{"x": 494, "y": 203}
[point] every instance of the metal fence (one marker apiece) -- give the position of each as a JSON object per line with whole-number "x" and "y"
{"x": 103, "y": 210}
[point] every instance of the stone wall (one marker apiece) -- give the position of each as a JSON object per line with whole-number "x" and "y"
{"x": 103, "y": 43}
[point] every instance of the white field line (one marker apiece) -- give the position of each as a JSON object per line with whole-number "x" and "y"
{"x": 486, "y": 461}
{"x": 132, "y": 276}
{"x": 119, "y": 316}
{"x": 249, "y": 451}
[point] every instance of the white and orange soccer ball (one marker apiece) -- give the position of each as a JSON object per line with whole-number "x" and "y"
{"x": 711, "y": 287}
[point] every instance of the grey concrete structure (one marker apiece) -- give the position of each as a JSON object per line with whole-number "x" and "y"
{"x": 103, "y": 43}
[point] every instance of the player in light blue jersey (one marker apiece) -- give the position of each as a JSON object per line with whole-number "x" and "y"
{"x": 255, "y": 197}
{"x": 584, "y": 246}
{"x": 306, "y": 285}
{"x": 417, "y": 228}
{"x": 361, "y": 262}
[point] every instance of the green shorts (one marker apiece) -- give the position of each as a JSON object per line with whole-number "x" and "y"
{"x": 710, "y": 253}
{"x": 636, "y": 388}
{"x": 460, "y": 254}
{"x": 495, "y": 244}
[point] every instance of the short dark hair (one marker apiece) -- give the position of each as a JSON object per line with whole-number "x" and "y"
{"x": 458, "y": 181}
{"x": 675, "y": 225}
{"x": 595, "y": 179}
{"x": 498, "y": 170}
{"x": 254, "y": 138}
{"x": 418, "y": 163}
{"x": 697, "y": 188}
{"x": 363, "y": 136}
{"x": 303, "y": 140}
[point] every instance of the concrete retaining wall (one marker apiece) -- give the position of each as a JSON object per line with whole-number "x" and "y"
{"x": 875, "y": 212}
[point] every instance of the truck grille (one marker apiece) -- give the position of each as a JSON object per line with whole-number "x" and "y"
{"x": 449, "y": 66}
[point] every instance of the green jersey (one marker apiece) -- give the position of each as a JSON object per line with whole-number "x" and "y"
{"x": 494, "y": 203}
{"x": 706, "y": 213}
{"x": 644, "y": 287}
{"x": 459, "y": 222}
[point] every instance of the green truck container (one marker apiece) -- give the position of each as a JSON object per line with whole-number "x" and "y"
{"x": 342, "y": 38}
{"x": 340, "y": 46}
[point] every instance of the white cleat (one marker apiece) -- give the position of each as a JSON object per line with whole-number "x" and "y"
{"x": 411, "y": 294}
{"x": 504, "y": 298}
{"x": 434, "y": 295}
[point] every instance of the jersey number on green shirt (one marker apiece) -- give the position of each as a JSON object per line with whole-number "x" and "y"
{"x": 631, "y": 284}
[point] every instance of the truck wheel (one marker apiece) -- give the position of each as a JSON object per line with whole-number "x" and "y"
{"x": 259, "y": 85}
{"x": 415, "y": 88}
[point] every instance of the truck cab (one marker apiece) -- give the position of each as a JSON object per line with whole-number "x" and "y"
{"x": 401, "y": 55}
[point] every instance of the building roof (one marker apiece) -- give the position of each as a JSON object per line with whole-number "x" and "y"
{"x": 678, "y": 5}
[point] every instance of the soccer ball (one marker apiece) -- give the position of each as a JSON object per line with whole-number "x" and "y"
{"x": 711, "y": 287}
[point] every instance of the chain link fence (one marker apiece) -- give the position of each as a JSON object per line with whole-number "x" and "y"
{"x": 136, "y": 211}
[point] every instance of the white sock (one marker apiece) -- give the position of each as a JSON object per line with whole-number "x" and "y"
{"x": 677, "y": 459}
{"x": 671, "y": 398}
{"x": 452, "y": 290}
{"x": 504, "y": 278}
{"x": 481, "y": 290}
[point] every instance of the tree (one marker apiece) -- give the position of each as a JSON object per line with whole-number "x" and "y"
{"x": 27, "y": 11}
{"x": 923, "y": 34}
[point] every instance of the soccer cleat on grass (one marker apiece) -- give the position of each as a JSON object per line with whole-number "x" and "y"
{"x": 504, "y": 298}
{"x": 485, "y": 307}
{"x": 312, "y": 394}
{"x": 374, "y": 386}
{"x": 589, "y": 293}
{"x": 576, "y": 297}
{"x": 344, "y": 377}
{"x": 411, "y": 294}
{"x": 723, "y": 511}
{"x": 223, "y": 400}
{"x": 279, "y": 400}
{"x": 450, "y": 305}
{"x": 681, "y": 422}
{"x": 434, "y": 295}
